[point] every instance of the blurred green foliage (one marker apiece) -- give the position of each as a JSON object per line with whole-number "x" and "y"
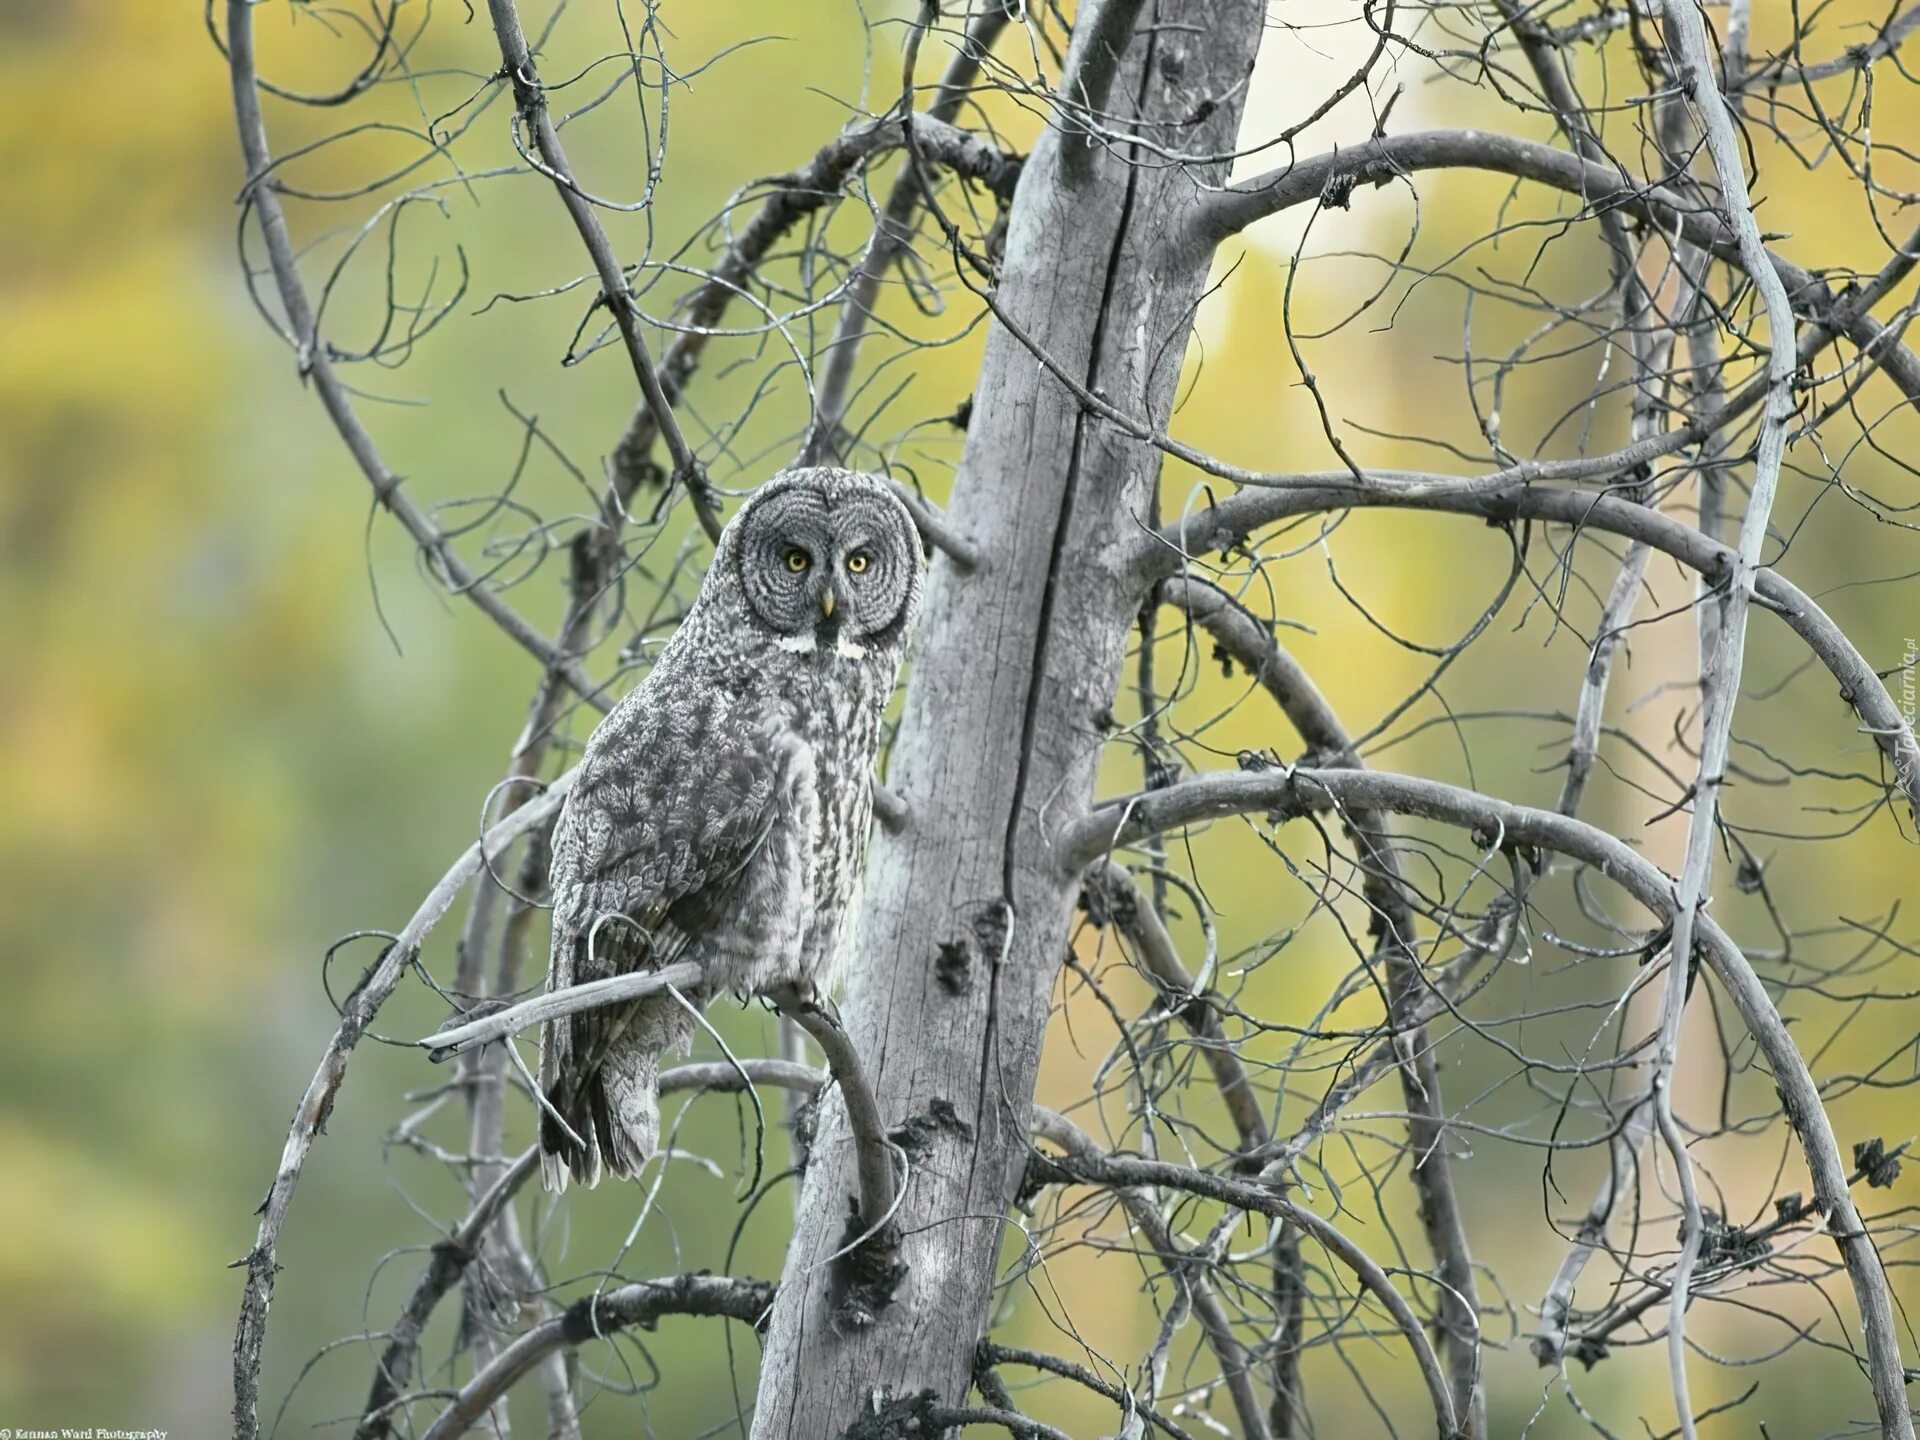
{"x": 235, "y": 723}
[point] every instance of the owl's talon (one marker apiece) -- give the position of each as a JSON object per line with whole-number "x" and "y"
{"x": 793, "y": 995}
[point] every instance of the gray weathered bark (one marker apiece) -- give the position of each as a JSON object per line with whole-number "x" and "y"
{"x": 966, "y": 914}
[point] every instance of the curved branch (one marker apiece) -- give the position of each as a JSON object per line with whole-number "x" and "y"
{"x": 367, "y": 76}
{"x": 794, "y": 196}
{"x": 317, "y": 366}
{"x": 317, "y": 1103}
{"x": 1392, "y": 927}
{"x": 1332, "y": 177}
{"x": 879, "y": 1188}
{"x": 530, "y": 97}
{"x": 727, "y": 1076}
{"x": 1095, "y": 1167}
{"x": 1233, "y": 519}
{"x": 641, "y": 1303}
{"x": 1299, "y": 790}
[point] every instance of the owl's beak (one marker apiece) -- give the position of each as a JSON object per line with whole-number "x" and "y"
{"x": 827, "y": 602}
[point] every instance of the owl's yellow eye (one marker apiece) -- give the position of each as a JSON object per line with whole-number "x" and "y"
{"x": 797, "y": 560}
{"x": 858, "y": 562}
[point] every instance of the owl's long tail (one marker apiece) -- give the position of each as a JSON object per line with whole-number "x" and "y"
{"x": 609, "y": 1095}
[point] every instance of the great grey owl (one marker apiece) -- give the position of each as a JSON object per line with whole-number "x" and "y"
{"x": 721, "y": 810}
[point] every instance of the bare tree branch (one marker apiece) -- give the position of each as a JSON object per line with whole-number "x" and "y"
{"x": 1227, "y": 523}
{"x": 316, "y": 365}
{"x": 1141, "y": 1208}
{"x": 1392, "y": 929}
{"x": 1086, "y": 1164}
{"x": 311, "y": 1117}
{"x": 792, "y": 198}
{"x": 1588, "y": 352}
{"x": 879, "y": 1187}
{"x": 1687, "y": 33}
{"x": 553, "y": 1005}
{"x": 1599, "y": 187}
{"x": 1214, "y": 796}
{"x": 891, "y": 239}
{"x": 530, "y": 99}
{"x": 601, "y": 1314}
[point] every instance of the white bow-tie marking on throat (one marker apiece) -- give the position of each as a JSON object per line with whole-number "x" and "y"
{"x": 806, "y": 644}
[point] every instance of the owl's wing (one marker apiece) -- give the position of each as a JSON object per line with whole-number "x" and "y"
{"x": 672, "y": 803}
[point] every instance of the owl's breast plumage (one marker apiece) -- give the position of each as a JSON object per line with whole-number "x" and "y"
{"x": 846, "y": 732}
{"x": 781, "y": 919}
{"x": 838, "y": 719}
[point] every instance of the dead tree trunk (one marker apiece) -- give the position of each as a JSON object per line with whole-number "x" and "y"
{"x": 966, "y": 915}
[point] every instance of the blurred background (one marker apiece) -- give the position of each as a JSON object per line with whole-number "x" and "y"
{"x": 237, "y": 722}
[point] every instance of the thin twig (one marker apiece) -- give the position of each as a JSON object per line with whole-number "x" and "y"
{"x": 597, "y": 1315}
{"x": 1392, "y": 927}
{"x": 1215, "y": 796}
{"x": 1141, "y": 1208}
{"x": 1093, "y": 1166}
{"x": 530, "y": 98}
{"x": 317, "y": 1103}
{"x": 1721, "y": 669}
{"x": 1379, "y": 161}
{"x": 892, "y": 234}
{"x": 791, "y": 199}
{"x": 1233, "y": 519}
{"x": 316, "y": 366}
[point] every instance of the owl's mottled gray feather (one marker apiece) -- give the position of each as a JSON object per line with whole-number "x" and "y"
{"x": 722, "y": 809}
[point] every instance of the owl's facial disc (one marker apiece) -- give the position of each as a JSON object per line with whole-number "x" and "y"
{"x": 828, "y": 569}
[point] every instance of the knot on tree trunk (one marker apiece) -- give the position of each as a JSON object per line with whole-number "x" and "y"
{"x": 868, "y": 1274}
